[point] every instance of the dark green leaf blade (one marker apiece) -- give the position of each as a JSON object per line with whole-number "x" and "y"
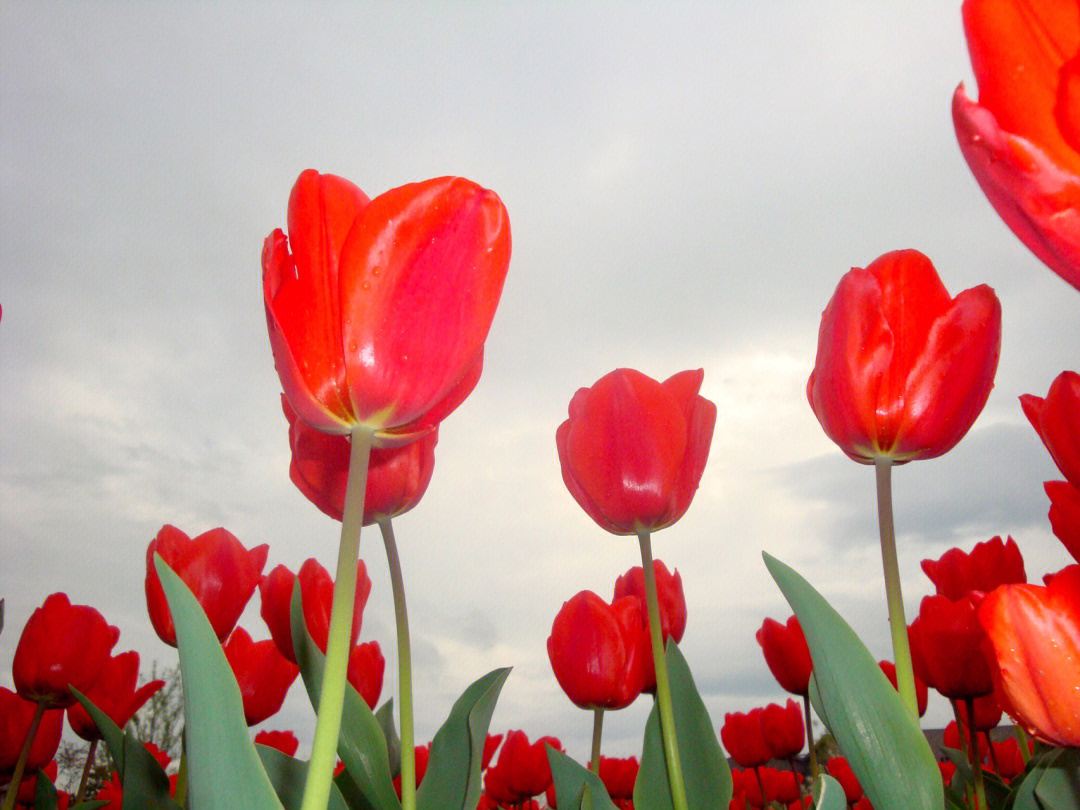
{"x": 576, "y": 785}
{"x": 288, "y": 776}
{"x": 224, "y": 772}
{"x": 882, "y": 742}
{"x": 1059, "y": 786}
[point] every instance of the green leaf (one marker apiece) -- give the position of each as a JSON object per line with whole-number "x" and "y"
{"x": 143, "y": 779}
{"x": 706, "y": 774}
{"x": 1059, "y": 787}
{"x": 361, "y": 745}
{"x": 224, "y": 772}
{"x": 882, "y": 742}
{"x": 45, "y": 797}
{"x": 828, "y": 795}
{"x": 452, "y": 780}
{"x": 385, "y": 715}
{"x": 91, "y": 805}
{"x": 577, "y": 786}
{"x": 288, "y": 777}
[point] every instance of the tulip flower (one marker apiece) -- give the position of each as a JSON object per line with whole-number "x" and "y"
{"x": 947, "y": 648}
{"x": 316, "y": 596}
{"x": 262, "y": 673}
{"x": 16, "y": 717}
{"x": 1034, "y": 635}
{"x": 619, "y": 776}
{"x": 903, "y": 369}
{"x": 1021, "y": 139}
{"x": 115, "y": 692}
{"x": 28, "y": 786}
{"x": 378, "y": 309}
{"x": 840, "y": 770}
{"x": 986, "y": 713}
{"x": 633, "y": 450}
{"x": 786, "y": 654}
{"x": 1056, "y": 418}
{"x": 62, "y": 645}
{"x": 421, "y": 755}
{"x": 283, "y": 741}
{"x": 922, "y": 694}
{"x": 599, "y": 652}
{"x": 991, "y": 563}
{"x": 950, "y": 738}
{"x": 491, "y": 745}
{"x": 742, "y": 737}
{"x": 522, "y": 770}
{"x": 783, "y": 730}
{"x": 1065, "y": 514}
{"x": 672, "y": 603}
{"x": 220, "y": 572}
{"x": 397, "y": 476}
{"x": 366, "y": 668}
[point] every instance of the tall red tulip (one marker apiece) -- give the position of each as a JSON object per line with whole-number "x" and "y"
{"x": 947, "y": 648}
{"x": 786, "y": 654}
{"x": 783, "y": 729}
{"x": 633, "y": 450}
{"x": 262, "y": 673}
{"x": 903, "y": 369}
{"x": 116, "y": 692}
{"x": 600, "y": 652}
{"x": 742, "y": 737}
{"x": 1056, "y": 418}
{"x": 1034, "y": 635}
{"x": 991, "y": 563}
{"x": 378, "y": 309}
{"x": 16, "y": 715}
{"x": 397, "y": 478}
{"x": 220, "y": 572}
{"x": 316, "y": 596}
{"x": 1022, "y": 139}
{"x": 61, "y": 645}
{"x": 1065, "y": 514}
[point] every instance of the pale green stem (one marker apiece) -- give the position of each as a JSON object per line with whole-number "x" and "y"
{"x": 810, "y": 738}
{"x": 24, "y": 754}
{"x": 408, "y": 749}
{"x": 86, "y": 771}
{"x": 1022, "y": 740}
{"x": 597, "y": 732}
{"x": 965, "y": 748}
{"x": 905, "y": 675}
{"x": 332, "y": 697}
{"x": 974, "y": 757}
{"x": 663, "y": 688}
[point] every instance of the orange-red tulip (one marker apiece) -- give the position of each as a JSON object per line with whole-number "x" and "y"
{"x": 903, "y": 369}
{"x": 1022, "y": 138}
{"x": 1034, "y": 635}
{"x": 1056, "y": 418}
{"x": 633, "y": 450}
{"x": 378, "y": 309}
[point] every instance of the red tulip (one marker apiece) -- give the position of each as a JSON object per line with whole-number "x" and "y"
{"x": 215, "y": 566}
{"x": 28, "y": 786}
{"x": 62, "y": 644}
{"x": 946, "y": 648}
{"x": 742, "y": 737}
{"x": 522, "y": 770}
{"x": 991, "y": 563}
{"x": 987, "y": 713}
{"x": 1010, "y": 762}
{"x": 599, "y": 651}
{"x": 902, "y": 368}
{"x": 786, "y": 654}
{"x": 633, "y": 449}
{"x": 783, "y": 730}
{"x": 366, "y": 668}
{"x": 316, "y": 596}
{"x": 421, "y": 755}
{"x": 672, "y": 603}
{"x": 1022, "y": 139}
{"x": 950, "y": 738}
{"x": 619, "y": 776}
{"x": 397, "y": 476}
{"x": 1034, "y": 635}
{"x": 283, "y": 741}
{"x": 1065, "y": 514}
{"x": 840, "y": 770}
{"x": 262, "y": 673}
{"x": 491, "y": 745}
{"x": 1057, "y": 421}
{"x": 378, "y": 310}
{"x": 921, "y": 692}
{"x": 16, "y": 715}
{"x": 116, "y": 692}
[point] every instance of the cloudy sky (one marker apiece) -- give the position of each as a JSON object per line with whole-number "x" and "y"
{"x": 686, "y": 185}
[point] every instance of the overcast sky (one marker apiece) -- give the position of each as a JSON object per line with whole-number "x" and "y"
{"x": 686, "y": 185}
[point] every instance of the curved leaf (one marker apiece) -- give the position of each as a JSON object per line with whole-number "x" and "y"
{"x": 828, "y": 795}
{"x": 576, "y": 787}
{"x": 288, "y": 776}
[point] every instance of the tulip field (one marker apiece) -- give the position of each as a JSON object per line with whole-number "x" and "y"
{"x": 379, "y": 308}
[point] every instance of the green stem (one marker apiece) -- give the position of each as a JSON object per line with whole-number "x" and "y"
{"x": 181, "y": 774}
{"x": 905, "y": 675}
{"x": 810, "y": 738}
{"x": 1022, "y": 740}
{"x": 86, "y": 771}
{"x": 969, "y": 792}
{"x": 663, "y": 688}
{"x": 24, "y": 754}
{"x": 973, "y": 757}
{"x": 332, "y": 697}
{"x": 408, "y": 749}
{"x": 597, "y": 731}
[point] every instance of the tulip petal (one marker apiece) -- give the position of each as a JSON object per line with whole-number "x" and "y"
{"x": 1065, "y": 514}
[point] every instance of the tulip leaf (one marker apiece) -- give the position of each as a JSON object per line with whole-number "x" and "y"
{"x": 706, "y": 774}
{"x": 828, "y": 795}
{"x": 45, "y": 797}
{"x": 882, "y": 742}
{"x": 576, "y": 786}
{"x": 223, "y": 769}
{"x": 288, "y": 776}
{"x": 361, "y": 745}
{"x": 452, "y": 780}
{"x": 385, "y": 715}
{"x": 1051, "y": 781}
{"x": 143, "y": 779}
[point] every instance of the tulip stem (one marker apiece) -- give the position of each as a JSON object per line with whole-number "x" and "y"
{"x": 401, "y": 615}
{"x": 905, "y": 675}
{"x": 335, "y": 669}
{"x": 1022, "y": 739}
{"x": 663, "y": 688}
{"x": 964, "y": 748}
{"x": 24, "y": 755}
{"x": 86, "y": 771}
{"x": 810, "y": 737}
{"x": 181, "y": 774}
{"x": 597, "y": 732}
{"x": 974, "y": 756}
